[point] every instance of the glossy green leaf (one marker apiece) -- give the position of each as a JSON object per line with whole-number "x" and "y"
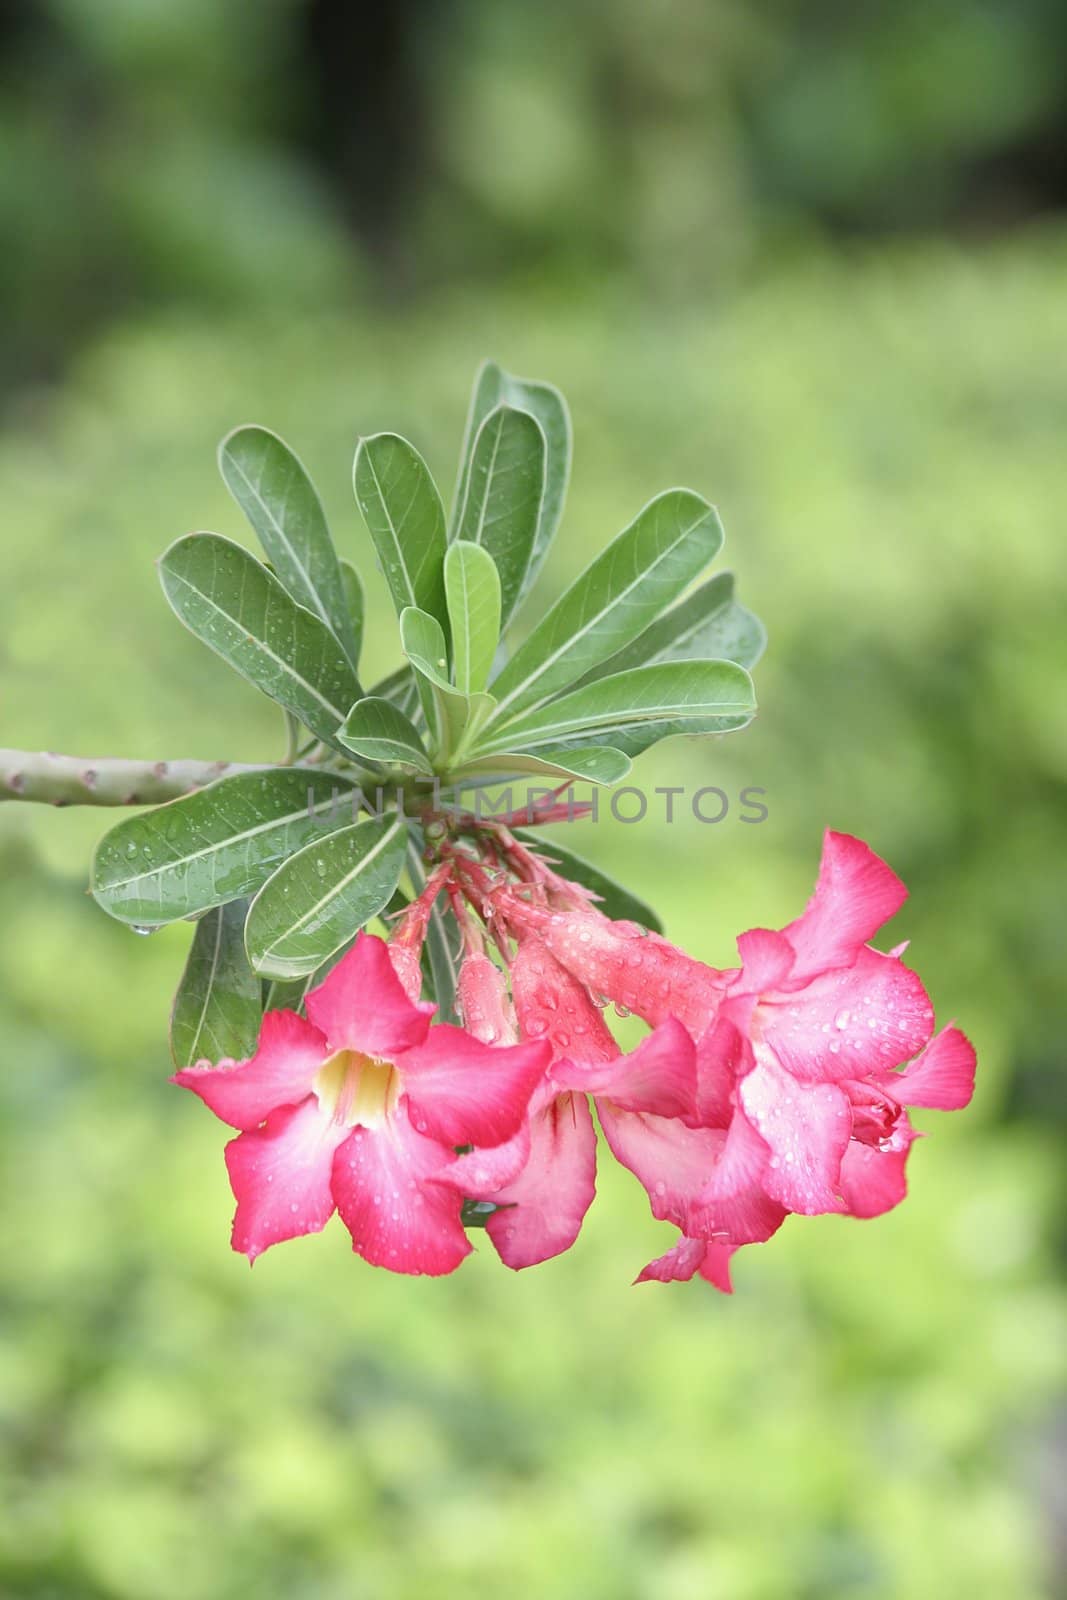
{"x": 356, "y": 605}
{"x": 494, "y": 387}
{"x": 379, "y": 730}
{"x": 591, "y": 763}
{"x": 275, "y": 493}
{"x": 401, "y": 688}
{"x": 320, "y": 897}
{"x": 406, "y": 520}
{"x": 442, "y": 951}
{"x": 708, "y": 625}
{"x": 614, "y": 900}
{"x": 503, "y": 493}
{"x": 642, "y": 571}
{"x": 215, "y": 845}
{"x": 676, "y": 690}
{"x": 241, "y": 611}
{"x": 451, "y": 716}
{"x": 637, "y": 737}
{"x": 472, "y": 589}
{"x": 218, "y": 1007}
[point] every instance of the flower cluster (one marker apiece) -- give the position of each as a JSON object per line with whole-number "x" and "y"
{"x": 777, "y": 1086}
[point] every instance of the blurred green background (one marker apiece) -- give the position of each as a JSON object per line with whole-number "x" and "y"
{"x": 811, "y": 260}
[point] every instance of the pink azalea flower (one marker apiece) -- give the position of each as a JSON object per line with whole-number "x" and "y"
{"x": 800, "y": 1091}
{"x": 359, "y": 1109}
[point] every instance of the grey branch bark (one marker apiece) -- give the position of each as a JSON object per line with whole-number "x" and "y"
{"x": 71, "y": 781}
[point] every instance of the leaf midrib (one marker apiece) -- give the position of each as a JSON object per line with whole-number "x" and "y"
{"x": 294, "y": 928}
{"x": 394, "y": 528}
{"x": 616, "y": 719}
{"x": 279, "y": 529}
{"x": 223, "y": 844}
{"x": 617, "y": 600}
{"x": 258, "y": 642}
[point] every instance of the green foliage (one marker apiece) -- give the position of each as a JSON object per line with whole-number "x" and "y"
{"x": 504, "y": 488}
{"x": 636, "y": 578}
{"x": 472, "y": 586}
{"x": 243, "y": 613}
{"x": 212, "y": 846}
{"x": 294, "y": 630}
{"x": 379, "y": 730}
{"x": 219, "y": 1004}
{"x": 280, "y": 501}
{"x": 322, "y": 895}
{"x": 406, "y": 520}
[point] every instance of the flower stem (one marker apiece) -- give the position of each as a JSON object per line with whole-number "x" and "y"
{"x": 73, "y": 781}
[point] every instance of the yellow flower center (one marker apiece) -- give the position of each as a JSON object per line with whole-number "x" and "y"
{"x": 356, "y": 1089}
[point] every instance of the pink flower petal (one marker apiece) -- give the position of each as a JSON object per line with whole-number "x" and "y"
{"x": 481, "y": 1173}
{"x": 397, "y": 1215}
{"x": 672, "y": 1161}
{"x": 766, "y": 958}
{"x": 549, "y": 1199}
{"x": 461, "y": 1091}
{"x": 807, "y": 1129}
{"x": 280, "y": 1176}
{"x": 722, "y": 1055}
{"x": 362, "y": 1005}
{"x": 675, "y": 1164}
{"x": 482, "y": 996}
{"x": 289, "y": 1054}
{"x": 848, "y": 1023}
{"x": 551, "y": 1003}
{"x": 408, "y": 968}
{"x": 873, "y": 1181}
{"x": 658, "y": 1076}
{"x": 855, "y": 894}
{"x": 638, "y": 970}
{"x": 678, "y": 1265}
{"x": 942, "y": 1077}
{"x": 742, "y": 1161}
{"x": 709, "y": 1257}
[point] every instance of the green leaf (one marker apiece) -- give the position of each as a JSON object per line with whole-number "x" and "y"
{"x": 215, "y": 845}
{"x": 638, "y": 737}
{"x": 676, "y": 690}
{"x": 377, "y": 729}
{"x": 450, "y": 715}
{"x": 406, "y": 520}
{"x": 643, "y": 570}
{"x": 494, "y": 387}
{"x": 442, "y": 951}
{"x": 708, "y": 625}
{"x": 615, "y": 901}
{"x": 323, "y": 895}
{"x": 503, "y": 492}
{"x": 401, "y": 689}
{"x": 591, "y": 763}
{"x": 241, "y": 611}
{"x": 275, "y": 493}
{"x": 217, "y": 1009}
{"x": 472, "y": 588}
{"x": 356, "y": 605}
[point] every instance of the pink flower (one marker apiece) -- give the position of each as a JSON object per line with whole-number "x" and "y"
{"x": 640, "y": 971}
{"x": 360, "y": 1109}
{"x": 800, "y": 1095}
{"x": 545, "y": 1180}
